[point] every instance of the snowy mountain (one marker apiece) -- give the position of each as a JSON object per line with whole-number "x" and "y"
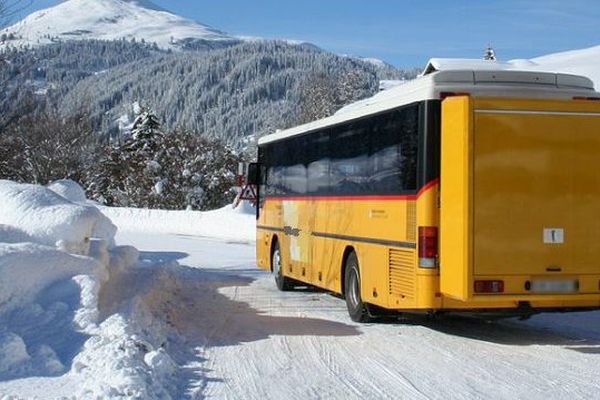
{"x": 580, "y": 62}
{"x": 112, "y": 20}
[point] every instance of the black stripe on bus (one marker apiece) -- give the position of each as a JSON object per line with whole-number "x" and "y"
{"x": 288, "y": 230}
{"x": 269, "y": 228}
{"x": 391, "y": 243}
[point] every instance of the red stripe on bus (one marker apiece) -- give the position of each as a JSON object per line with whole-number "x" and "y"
{"x": 426, "y": 187}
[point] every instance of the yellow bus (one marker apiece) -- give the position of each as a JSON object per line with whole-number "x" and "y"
{"x": 463, "y": 190}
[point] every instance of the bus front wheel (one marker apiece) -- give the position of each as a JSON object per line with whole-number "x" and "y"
{"x": 283, "y": 283}
{"x": 359, "y": 311}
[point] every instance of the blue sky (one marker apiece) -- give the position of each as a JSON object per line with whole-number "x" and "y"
{"x": 406, "y": 32}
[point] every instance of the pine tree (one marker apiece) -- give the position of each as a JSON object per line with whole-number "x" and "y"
{"x": 146, "y": 127}
{"x": 140, "y": 157}
{"x": 106, "y": 180}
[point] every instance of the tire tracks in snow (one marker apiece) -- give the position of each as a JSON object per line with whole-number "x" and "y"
{"x": 251, "y": 341}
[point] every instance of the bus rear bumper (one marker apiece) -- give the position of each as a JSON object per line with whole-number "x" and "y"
{"x": 515, "y": 301}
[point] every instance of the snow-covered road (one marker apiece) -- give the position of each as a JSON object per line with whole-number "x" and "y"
{"x": 241, "y": 338}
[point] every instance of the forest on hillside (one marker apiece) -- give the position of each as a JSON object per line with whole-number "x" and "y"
{"x": 143, "y": 127}
{"x": 230, "y": 94}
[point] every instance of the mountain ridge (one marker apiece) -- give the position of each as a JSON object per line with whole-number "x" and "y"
{"x": 139, "y": 20}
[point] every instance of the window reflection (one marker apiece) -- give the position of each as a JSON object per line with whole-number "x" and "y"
{"x": 376, "y": 155}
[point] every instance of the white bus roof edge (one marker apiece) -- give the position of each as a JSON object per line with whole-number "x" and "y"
{"x": 485, "y": 78}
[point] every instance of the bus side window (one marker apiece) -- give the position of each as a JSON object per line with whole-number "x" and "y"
{"x": 349, "y": 148}
{"x": 394, "y": 151}
{"x": 318, "y": 163}
{"x": 295, "y": 165}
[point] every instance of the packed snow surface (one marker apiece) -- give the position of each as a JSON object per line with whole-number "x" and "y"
{"x": 187, "y": 315}
{"x": 227, "y": 223}
{"x": 109, "y": 20}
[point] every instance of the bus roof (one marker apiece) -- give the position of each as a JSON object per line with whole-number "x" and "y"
{"x": 476, "y": 77}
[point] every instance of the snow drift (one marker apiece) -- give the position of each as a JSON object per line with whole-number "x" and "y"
{"x": 68, "y": 189}
{"x": 50, "y": 219}
{"x": 226, "y": 223}
{"x": 61, "y": 315}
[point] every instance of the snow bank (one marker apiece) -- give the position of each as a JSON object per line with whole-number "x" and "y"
{"x": 46, "y": 241}
{"x": 227, "y": 223}
{"x": 74, "y": 308}
{"x": 49, "y": 218}
{"x": 68, "y": 189}
{"x": 27, "y": 268}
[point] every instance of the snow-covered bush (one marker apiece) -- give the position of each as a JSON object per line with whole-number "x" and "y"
{"x": 46, "y": 147}
{"x": 152, "y": 169}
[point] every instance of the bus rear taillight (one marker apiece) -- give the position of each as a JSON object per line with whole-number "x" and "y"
{"x": 489, "y": 286}
{"x": 428, "y": 246}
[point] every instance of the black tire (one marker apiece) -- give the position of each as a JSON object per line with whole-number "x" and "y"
{"x": 283, "y": 283}
{"x": 358, "y": 311}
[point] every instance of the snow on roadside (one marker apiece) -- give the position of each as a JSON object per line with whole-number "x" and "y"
{"x": 68, "y": 189}
{"x": 50, "y": 219}
{"x": 79, "y": 316}
{"x": 227, "y": 223}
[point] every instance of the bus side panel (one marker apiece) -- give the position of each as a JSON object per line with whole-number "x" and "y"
{"x": 327, "y": 253}
{"x": 298, "y": 219}
{"x": 270, "y": 219}
{"x": 337, "y": 222}
{"x": 455, "y": 254}
{"x": 263, "y": 243}
{"x": 380, "y": 220}
{"x": 426, "y": 279}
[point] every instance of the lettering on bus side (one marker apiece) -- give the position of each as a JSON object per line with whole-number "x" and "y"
{"x": 289, "y": 231}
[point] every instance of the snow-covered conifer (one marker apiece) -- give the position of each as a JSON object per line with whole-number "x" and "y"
{"x": 489, "y": 54}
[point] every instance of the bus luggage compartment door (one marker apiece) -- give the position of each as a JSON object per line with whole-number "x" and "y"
{"x": 531, "y": 190}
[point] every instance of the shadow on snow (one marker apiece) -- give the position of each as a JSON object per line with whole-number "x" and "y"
{"x": 47, "y": 330}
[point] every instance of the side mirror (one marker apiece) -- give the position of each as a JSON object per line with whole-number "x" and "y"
{"x": 253, "y": 174}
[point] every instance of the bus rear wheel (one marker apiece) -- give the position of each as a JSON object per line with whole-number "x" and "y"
{"x": 283, "y": 283}
{"x": 359, "y": 311}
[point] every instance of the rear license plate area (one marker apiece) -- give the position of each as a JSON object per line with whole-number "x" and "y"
{"x": 554, "y": 286}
